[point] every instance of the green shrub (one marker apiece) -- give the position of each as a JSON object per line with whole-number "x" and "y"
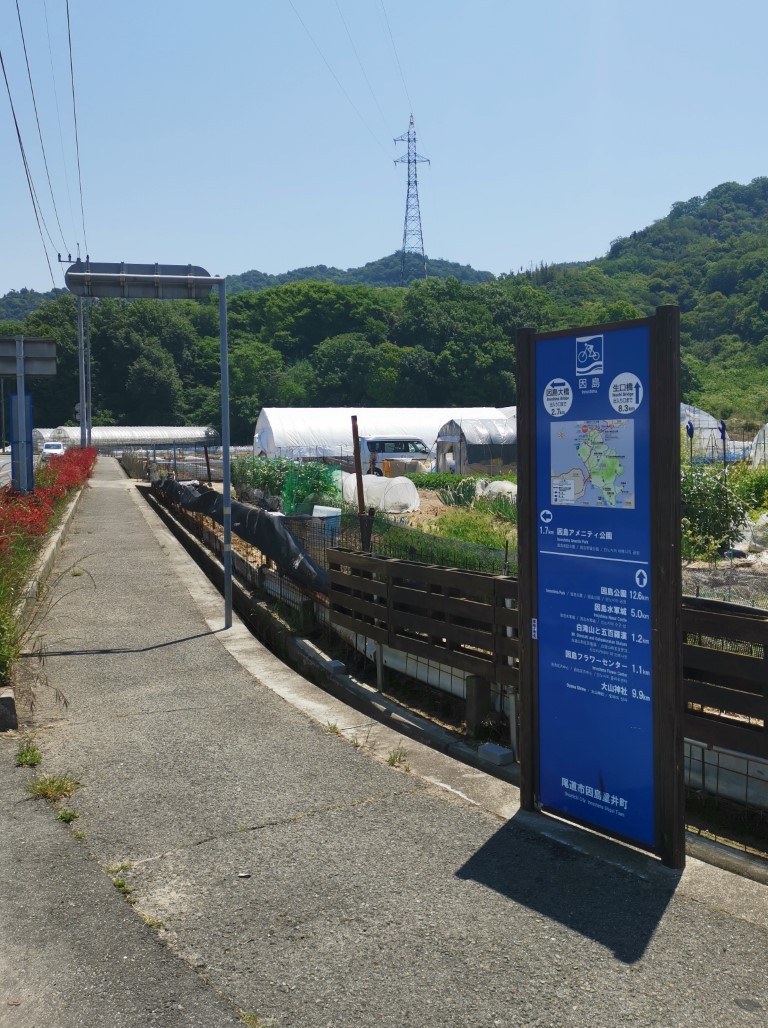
{"x": 712, "y": 513}
{"x": 471, "y": 526}
{"x": 309, "y": 483}
{"x": 265, "y": 473}
{"x": 434, "y": 479}
{"x": 750, "y": 485}
{"x": 395, "y": 540}
{"x": 460, "y": 494}
{"x": 501, "y": 507}
{"x": 300, "y": 484}
{"x": 445, "y": 480}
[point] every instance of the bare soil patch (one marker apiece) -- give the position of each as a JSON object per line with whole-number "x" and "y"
{"x": 431, "y": 506}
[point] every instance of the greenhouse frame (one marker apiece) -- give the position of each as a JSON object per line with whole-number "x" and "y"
{"x": 108, "y": 438}
{"x": 478, "y": 446}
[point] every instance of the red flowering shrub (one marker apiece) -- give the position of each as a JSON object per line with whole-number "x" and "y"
{"x": 25, "y": 517}
{"x": 24, "y": 520}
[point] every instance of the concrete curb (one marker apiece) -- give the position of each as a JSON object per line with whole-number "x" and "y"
{"x": 303, "y": 657}
{"x": 33, "y": 590}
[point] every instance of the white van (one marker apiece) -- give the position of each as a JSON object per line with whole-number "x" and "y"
{"x": 413, "y": 452}
{"x": 51, "y": 449}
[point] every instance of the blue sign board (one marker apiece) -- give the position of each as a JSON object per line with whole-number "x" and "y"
{"x": 593, "y": 603}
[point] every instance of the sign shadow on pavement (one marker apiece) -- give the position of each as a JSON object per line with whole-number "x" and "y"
{"x": 614, "y": 907}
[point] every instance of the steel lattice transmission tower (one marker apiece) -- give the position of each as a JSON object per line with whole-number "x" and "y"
{"x": 413, "y": 241}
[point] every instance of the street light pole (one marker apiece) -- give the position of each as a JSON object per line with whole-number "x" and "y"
{"x": 81, "y": 370}
{"x": 226, "y": 484}
{"x": 168, "y": 282}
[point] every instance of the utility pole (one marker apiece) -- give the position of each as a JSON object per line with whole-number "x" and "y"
{"x": 413, "y": 241}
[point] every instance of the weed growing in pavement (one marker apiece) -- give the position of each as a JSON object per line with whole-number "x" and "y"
{"x": 30, "y": 657}
{"x": 333, "y": 728}
{"x": 151, "y": 922}
{"x": 28, "y": 754}
{"x": 80, "y": 836}
{"x": 67, "y": 816}
{"x": 116, "y": 869}
{"x": 124, "y": 889}
{"x": 254, "y": 1021}
{"x": 357, "y": 742}
{"x": 53, "y": 787}
{"x": 397, "y": 757}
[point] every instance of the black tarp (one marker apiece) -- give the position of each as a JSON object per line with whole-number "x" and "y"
{"x": 265, "y": 531}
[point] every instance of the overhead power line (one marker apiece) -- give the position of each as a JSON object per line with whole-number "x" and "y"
{"x": 33, "y": 195}
{"x": 64, "y": 162}
{"x": 335, "y": 77}
{"x": 39, "y": 129}
{"x": 397, "y": 59}
{"x": 361, "y": 65}
{"x": 77, "y": 138}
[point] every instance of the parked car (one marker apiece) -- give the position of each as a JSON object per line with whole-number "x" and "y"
{"x": 52, "y": 450}
{"x": 411, "y": 452}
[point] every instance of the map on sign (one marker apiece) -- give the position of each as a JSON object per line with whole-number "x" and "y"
{"x": 593, "y": 463}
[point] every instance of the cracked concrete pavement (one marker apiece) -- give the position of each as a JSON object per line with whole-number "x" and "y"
{"x": 274, "y": 865}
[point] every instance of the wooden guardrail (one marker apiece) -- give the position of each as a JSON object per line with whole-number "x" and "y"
{"x": 469, "y": 621}
{"x": 725, "y": 675}
{"x": 462, "y": 619}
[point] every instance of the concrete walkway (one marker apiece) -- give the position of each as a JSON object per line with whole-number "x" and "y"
{"x": 281, "y": 873}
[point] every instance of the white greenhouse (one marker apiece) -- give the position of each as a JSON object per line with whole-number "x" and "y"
{"x": 40, "y": 436}
{"x": 145, "y": 437}
{"x": 316, "y": 432}
{"x": 707, "y": 441}
{"x": 478, "y": 446}
{"x": 760, "y": 448}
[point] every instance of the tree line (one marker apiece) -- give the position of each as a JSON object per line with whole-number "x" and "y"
{"x": 320, "y": 338}
{"x": 436, "y": 343}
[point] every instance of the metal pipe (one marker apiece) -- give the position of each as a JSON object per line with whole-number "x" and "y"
{"x": 81, "y": 370}
{"x": 21, "y": 416}
{"x": 226, "y": 476}
{"x": 365, "y": 535}
{"x": 88, "y": 408}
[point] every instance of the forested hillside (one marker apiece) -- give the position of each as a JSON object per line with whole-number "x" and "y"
{"x": 384, "y": 272}
{"x": 436, "y": 342}
{"x": 709, "y": 255}
{"x": 21, "y": 302}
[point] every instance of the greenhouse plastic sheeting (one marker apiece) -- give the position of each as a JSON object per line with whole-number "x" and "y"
{"x": 298, "y": 432}
{"x": 706, "y": 432}
{"x": 267, "y": 532}
{"x": 390, "y": 495}
{"x": 139, "y": 435}
{"x": 484, "y": 446}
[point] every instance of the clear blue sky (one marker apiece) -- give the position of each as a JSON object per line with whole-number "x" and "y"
{"x": 216, "y": 134}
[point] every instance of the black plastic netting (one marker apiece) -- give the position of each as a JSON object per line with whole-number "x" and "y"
{"x": 267, "y": 532}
